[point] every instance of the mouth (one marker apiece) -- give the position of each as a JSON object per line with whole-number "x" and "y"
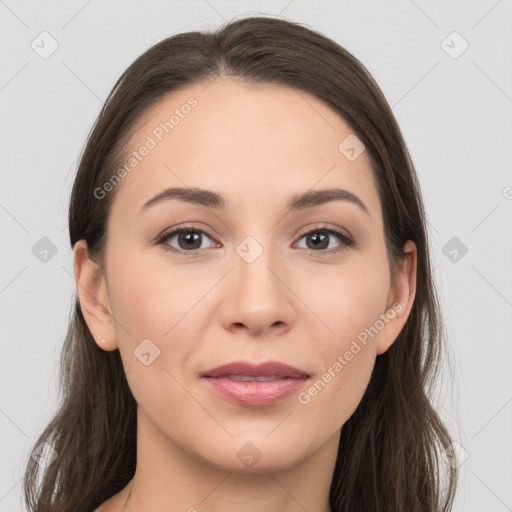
{"x": 255, "y": 385}
{"x": 270, "y": 369}
{"x": 249, "y": 378}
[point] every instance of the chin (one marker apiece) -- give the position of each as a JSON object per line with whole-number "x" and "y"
{"x": 254, "y": 456}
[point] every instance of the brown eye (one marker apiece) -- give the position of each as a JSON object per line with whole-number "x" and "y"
{"x": 186, "y": 239}
{"x": 320, "y": 239}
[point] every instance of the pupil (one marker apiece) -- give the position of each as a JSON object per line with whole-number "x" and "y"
{"x": 191, "y": 236}
{"x": 318, "y": 239}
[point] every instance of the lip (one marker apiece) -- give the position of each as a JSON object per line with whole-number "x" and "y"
{"x": 266, "y": 369}
{"x": 255, "y": 393}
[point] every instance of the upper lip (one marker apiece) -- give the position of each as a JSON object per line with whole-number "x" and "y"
{"x": 267, "y": 369}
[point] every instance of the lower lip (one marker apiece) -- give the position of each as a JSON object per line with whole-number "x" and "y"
{"x": 255, "y": 393}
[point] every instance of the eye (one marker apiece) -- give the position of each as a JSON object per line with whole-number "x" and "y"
{"x": 319, "y": 240}
{"x": 188, "y": 239}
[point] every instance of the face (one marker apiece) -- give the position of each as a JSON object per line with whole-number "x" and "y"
{"x": 250, "y": 279}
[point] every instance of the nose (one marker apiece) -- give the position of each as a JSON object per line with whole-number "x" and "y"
{"x": 257, "y": 296}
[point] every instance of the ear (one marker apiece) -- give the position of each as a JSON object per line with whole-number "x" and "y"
{"x": 400, "y": 297}
{"x": 93, "y": 296}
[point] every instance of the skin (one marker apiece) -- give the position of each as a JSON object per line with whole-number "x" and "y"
{"x": 257, "y": 145}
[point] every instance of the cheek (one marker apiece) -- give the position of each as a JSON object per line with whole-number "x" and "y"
{"x": 151, "y": 303}
{"x": 355, "y": 296}
{"x": 148, "y": 296}
{"x": 335, "y": 394}
{"x": 138, "y": 304}
{"x": 154, "y": 301}
{"x": 347, "y": 351}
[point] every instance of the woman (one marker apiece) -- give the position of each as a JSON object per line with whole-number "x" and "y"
{"x": 256, "y": 326}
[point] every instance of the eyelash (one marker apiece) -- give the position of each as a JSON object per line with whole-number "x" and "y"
{"x": 346, "y": 241}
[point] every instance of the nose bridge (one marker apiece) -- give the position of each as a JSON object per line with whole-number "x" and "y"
{"x": 255, "y": 264}
{"x": 258, "y": 297}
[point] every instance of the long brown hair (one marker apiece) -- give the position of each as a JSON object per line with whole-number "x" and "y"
{"x": 389, "y": 451}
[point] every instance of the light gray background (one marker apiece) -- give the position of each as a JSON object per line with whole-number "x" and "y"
{"x": 455, "y": 114}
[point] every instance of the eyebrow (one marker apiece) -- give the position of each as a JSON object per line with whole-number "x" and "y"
{"x": 213, "y": 199}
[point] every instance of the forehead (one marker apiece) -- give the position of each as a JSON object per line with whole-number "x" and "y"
{"x": 246, "y": 140}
